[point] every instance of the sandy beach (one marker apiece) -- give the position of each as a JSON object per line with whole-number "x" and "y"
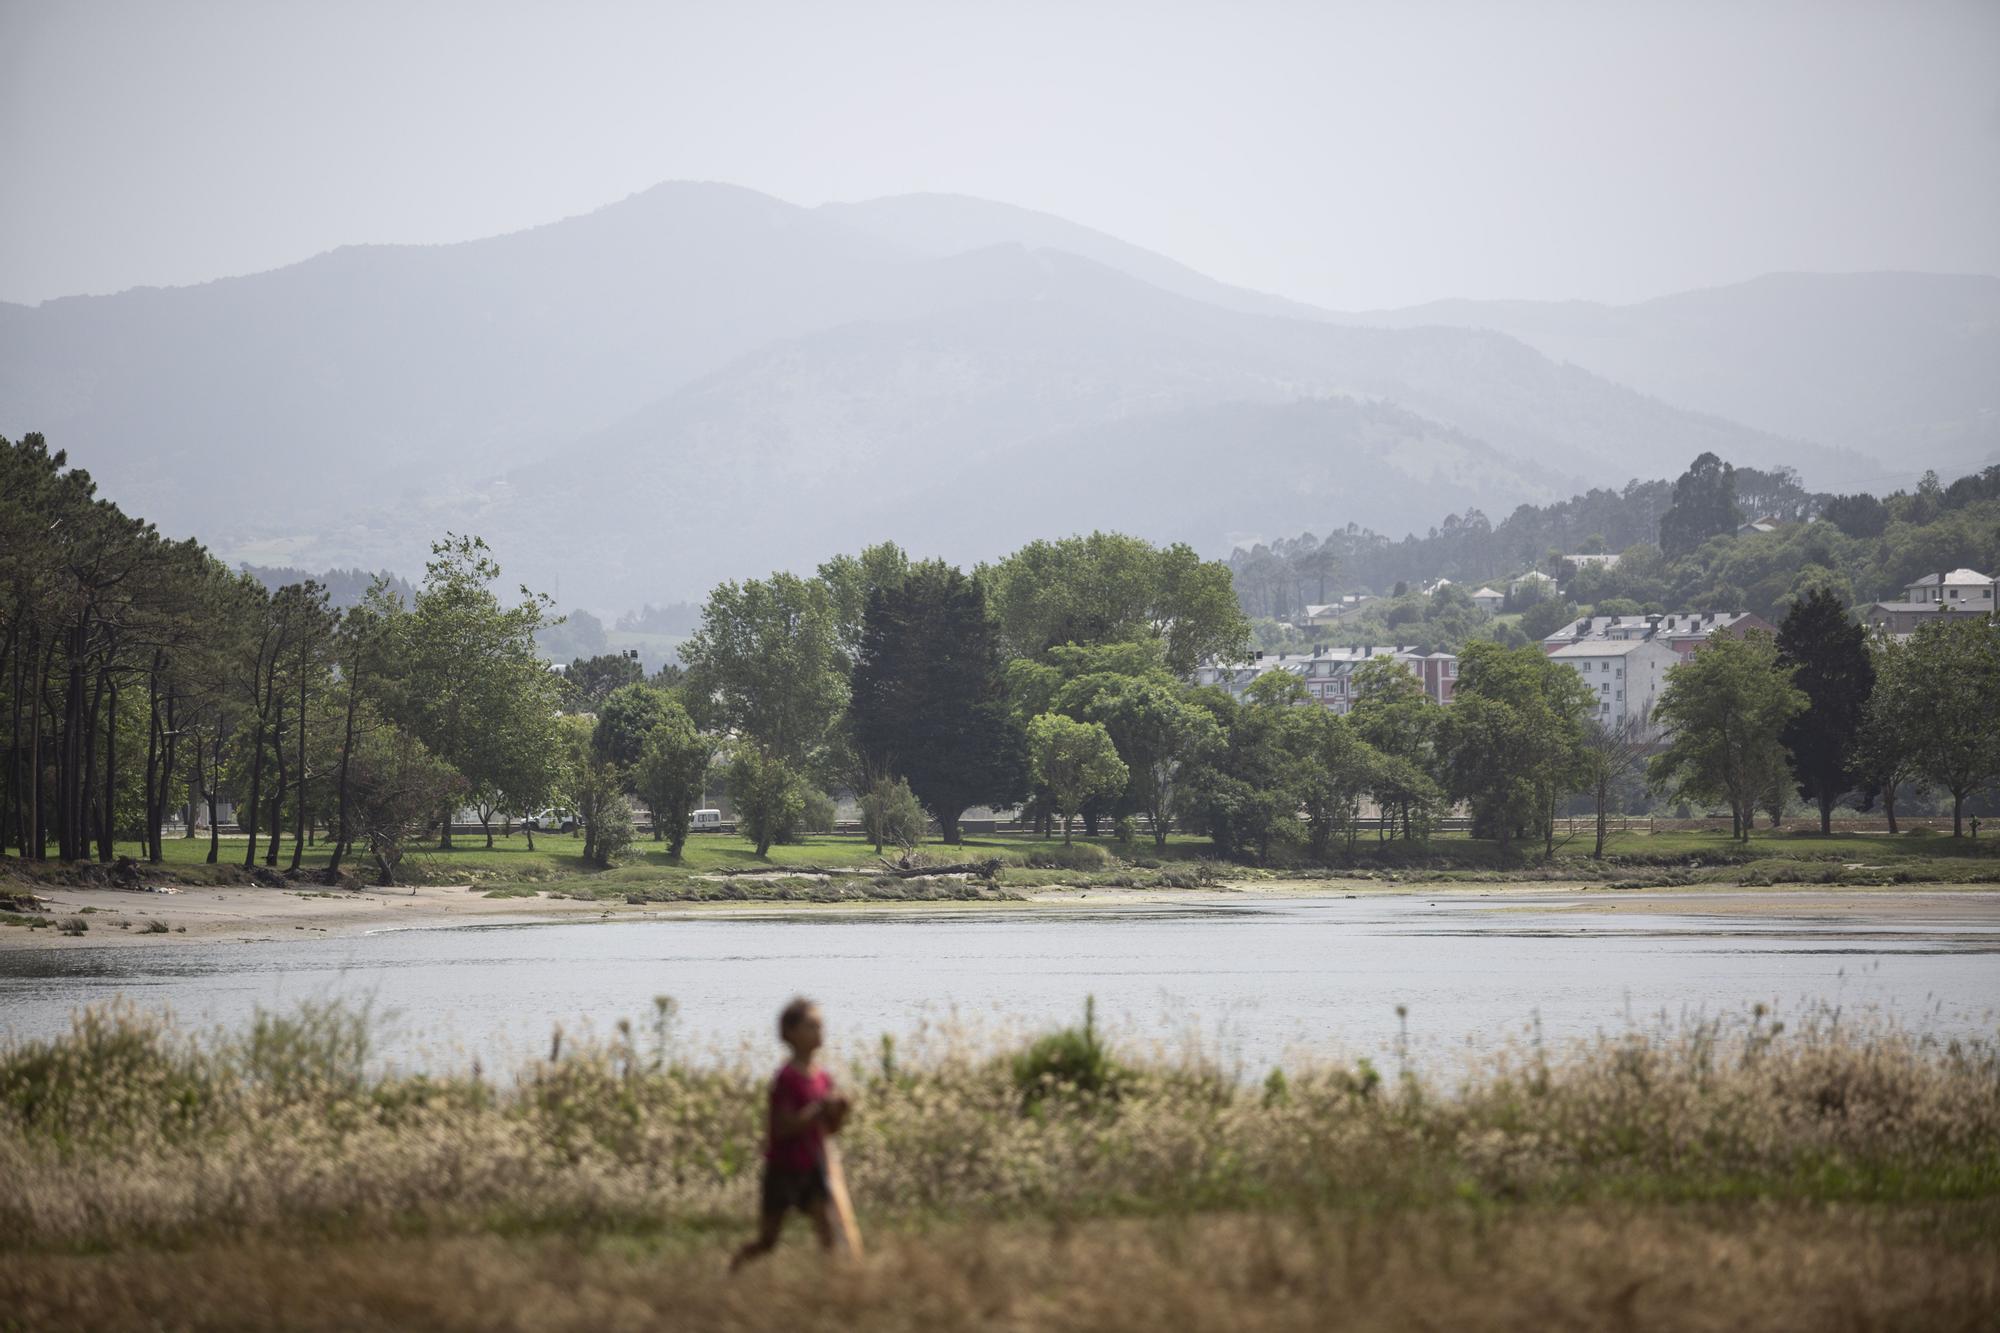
{"x": 119, "y": 916}
{"x": 252, "y": 912}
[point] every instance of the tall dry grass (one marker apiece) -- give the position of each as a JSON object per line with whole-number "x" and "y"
{"x": 129, "y": 1132}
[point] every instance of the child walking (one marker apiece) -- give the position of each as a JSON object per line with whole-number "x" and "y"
{"x": 804, "y": 1110}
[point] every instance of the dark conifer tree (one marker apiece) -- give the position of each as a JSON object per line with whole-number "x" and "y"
{"x": 1704, "y": 506}
{"x": 1826, "y": 651}
{"x": 927, "y": 702}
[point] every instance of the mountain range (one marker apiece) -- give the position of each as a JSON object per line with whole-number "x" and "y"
{"x": 702, "y": 382}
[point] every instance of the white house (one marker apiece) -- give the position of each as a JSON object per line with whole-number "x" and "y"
{"x": 1603, "y": 560}
{"x": 1961, "y": 590}
{"x": 1326, "y": 613}
{"x": 1683, "y": 633}
{"x": 1625, "y": 675}
{"x": 1328, "y": 673}
{"x": 1486, "y": 599}
{"x": 1534, "y": 578}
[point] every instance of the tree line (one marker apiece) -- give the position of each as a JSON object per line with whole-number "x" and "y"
{"x": 1834, "y": 713}
{"x": 143, "y": 679}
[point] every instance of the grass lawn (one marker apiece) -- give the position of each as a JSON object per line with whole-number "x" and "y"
{"x": 560, "y": 855}
{"x": 1633, "y": 859}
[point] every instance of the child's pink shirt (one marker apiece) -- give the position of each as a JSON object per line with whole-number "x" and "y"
{"x": 793, "y": 1090}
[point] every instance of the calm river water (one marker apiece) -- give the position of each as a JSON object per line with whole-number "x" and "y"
{"x": 1252, "y": 981}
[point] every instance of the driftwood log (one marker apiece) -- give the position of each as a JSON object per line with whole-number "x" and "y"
{"x": 986, "y": 869}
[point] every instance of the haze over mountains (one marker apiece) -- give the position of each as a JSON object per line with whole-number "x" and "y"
{"x": 1892, "y": 365}
{"x": 702, "y": 382}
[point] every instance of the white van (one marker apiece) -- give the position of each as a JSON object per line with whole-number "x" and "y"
{"x": 705, "y": 821}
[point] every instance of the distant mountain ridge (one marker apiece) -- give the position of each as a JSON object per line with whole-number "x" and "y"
{"x": 943, "y": 225}
{"x": 701, "y": 381}
{"x": 1886, "y": 364}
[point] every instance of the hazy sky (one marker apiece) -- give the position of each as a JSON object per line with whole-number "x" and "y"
{"x": 1350, "y": 154}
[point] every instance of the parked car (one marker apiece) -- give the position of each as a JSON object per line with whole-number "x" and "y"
{"x": 552, "y": 821}
{"x": 705, "y": 821}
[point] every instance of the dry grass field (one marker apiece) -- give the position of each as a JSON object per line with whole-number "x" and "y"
{"x": 1728, "y": 1176}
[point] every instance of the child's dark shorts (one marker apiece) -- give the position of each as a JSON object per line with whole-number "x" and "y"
{"x": 786, "y": 1188}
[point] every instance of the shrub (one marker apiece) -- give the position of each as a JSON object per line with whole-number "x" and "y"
{"x": 891, "y": 813}
{"x": 816, "y": 813}
{"x": 1067, "y": 856}
{"x": 116, "y": 1076}
{"x": 315, "y": 1055}
{"x": 73, "y": 925}
{"x": 613, "y": 831}
{"x": 155, "y": 928}
{"x": 1070, "y": 1063}
{"x": 769, "y": 798}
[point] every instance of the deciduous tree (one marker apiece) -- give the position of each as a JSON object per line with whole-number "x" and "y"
{"x": 769, "y": 796}
{"x": 468, "y": 680}
{"x": 1075, "y": 761}
{"x": 767, "y": 664}
{"x": 589, "y": 681}
{"x": 1108, "y": 587}
{"x": 1888, "y": 750}
{"x": 1512, "y": 743}
{"x": 1336, "y": 769}
{"x": 1952, "y": 676}
{"x": 1724, "y": 711}
{"x": 671, "y": 772}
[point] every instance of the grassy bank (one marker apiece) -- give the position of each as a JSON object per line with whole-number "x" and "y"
{"x": 1729, "y": 1175}
{"x": 846, "y": 868}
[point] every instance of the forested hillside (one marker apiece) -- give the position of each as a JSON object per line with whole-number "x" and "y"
{"x": 1857, "y": 546}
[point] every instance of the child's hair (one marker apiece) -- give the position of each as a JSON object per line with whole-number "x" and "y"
{"x": 794, "y": 1014}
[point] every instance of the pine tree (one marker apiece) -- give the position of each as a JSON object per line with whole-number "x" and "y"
{"x": 927, "y": 701}
{"x": 1826, "y": 651}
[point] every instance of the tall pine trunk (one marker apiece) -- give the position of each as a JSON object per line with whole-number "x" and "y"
{"x": 85, "y": 787}
{"x": 299, "y": 815}
{"x": 342, "y": 834}
{"x": 106, "y": 826}
{"x": 37, "y": 825}
{"x": 214, "y": 826}
{"x": 156, "y": 795}
{"x": 249, "y": 826}
{"x": 278, "y": 789}
{"x": 10, "y": 792}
